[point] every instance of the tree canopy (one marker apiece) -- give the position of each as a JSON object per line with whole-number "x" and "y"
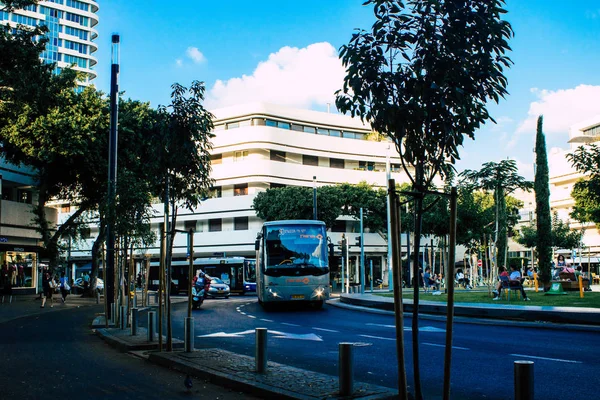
{"x": 586, "y": 192}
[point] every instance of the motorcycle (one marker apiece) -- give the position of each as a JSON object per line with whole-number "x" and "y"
{"x": 197, "y": 294}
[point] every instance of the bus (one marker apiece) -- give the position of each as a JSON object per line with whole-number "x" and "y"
{"x": 238, "y": 272}
{"x": 292, "y": 262}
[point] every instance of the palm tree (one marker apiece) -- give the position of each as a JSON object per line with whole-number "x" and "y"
{"x": 502, "y": 179}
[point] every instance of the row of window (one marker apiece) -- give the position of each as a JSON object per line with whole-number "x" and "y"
{"x": 593, "y": 131}
{"x": 52, "y": 12}
{"x": 239, "y": 224}
{"x": 80, "y": 33}
{"x": 3, "y": 16}
{"x": 292, "y": 126}
{"x": 83, "y": 21}
{"x": 79, "y": 47}
{"x": 78, "y": 4}
{"x": 21, "y": 19}
{"x": 80, "y": 62}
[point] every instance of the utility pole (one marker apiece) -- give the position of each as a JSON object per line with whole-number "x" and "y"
{"x": 362, "y": 254}
{"x": 112, "y": 175}
{"x": 315, "y": 198}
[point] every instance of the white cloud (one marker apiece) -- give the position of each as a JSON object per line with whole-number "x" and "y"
{"x": 179, "y": 62}
{"x": 525, "y": 169}
{"x": 195, "y": 55}
{"x": 291, "y": 76}
{"x": 561, "y": 109}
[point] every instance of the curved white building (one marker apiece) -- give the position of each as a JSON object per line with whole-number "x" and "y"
{"x": 260, "y": 146}
{"x": 71, "y": 32}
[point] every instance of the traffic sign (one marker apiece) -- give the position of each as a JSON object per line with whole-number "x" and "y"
{"x": 479, "y": 263}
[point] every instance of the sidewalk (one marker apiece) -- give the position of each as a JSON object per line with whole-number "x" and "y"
{"x": 26, "y": 305}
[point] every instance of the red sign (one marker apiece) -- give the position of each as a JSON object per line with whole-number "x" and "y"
{"x": 479, "y": 263}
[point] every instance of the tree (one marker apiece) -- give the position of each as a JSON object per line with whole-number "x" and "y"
{"x": 586, "y": 192}
{"x": 502, "y": 179}
{"x": 423, "y": 76}
{"x": 561, "y": 236}
{"x": 542, "y": 205}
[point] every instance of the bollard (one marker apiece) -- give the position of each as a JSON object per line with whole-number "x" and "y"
{"x": 523, "y": 380}
{"x": 97, "y": 296}
{"x": 122, "y": 317}
{"x": 134, "y": 321}
{"x": 113, "y": 312}
{"x": 151, "y": 325}
{"x": 189, "y": 334}
{"x": 580, "y": 286}
{"x": 346, "y": 369}
{"x": 261, "y": 350}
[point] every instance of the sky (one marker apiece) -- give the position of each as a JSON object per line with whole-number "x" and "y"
{"x": 286, "y": 52}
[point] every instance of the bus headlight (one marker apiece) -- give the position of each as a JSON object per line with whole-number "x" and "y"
{"x": 272, "y": 293}
{"x": 319, "y": 293}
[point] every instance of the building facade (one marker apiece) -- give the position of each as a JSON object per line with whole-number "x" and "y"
{"x": 71, "y": 32}
{"x": 261, "y": 146}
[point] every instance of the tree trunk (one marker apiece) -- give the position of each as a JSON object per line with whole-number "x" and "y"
{"x": 415, "y": 319}
{"x": 502, "y": 229}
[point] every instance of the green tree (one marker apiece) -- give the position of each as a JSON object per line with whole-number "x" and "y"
{"x": 542, "y": 205}
{"x": 502, "y": 179}
{"x": 586, "y": 192}
{"x": 561, "y": 236}
{"x": 423, "y": 76}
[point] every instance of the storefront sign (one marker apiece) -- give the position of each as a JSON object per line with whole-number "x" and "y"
{"x": 19, "y": 249}
{"x": 3, "y": 239}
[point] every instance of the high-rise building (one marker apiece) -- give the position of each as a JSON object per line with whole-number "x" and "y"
{"x": 71, "y": 32}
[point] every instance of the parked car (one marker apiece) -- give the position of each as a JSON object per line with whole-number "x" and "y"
{"x": 218, "y": 288}
{"x": 77, "y": 286}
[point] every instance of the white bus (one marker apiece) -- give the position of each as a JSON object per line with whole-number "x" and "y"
{"x": 292, "y": 262}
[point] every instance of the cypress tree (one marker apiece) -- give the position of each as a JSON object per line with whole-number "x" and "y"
{"x": 542, "y": 203}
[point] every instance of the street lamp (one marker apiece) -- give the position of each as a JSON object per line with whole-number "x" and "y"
{"x": 314, "y": 197}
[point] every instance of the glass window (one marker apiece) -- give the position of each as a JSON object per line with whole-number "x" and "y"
{"x": 310, "y": 129}
{"x": 310, "y": 160}
{"x": 216, "y": 159}
{"x": 270, "y": 122}
{"x": 283, "y": 125}
{"x": 18, "y": 268}
{"x": 245, "y": 123}
{"x": 215, "y": 225}
{"x": 216, "y": 192}
{"x": 339, "y": 226}
{"x": 277, "y": 155}
{"x": 322, "y": 131}
{"x": 277, "y": 185}
{"x": 219, "y": 127}
{"x": 240, "y": 190}
{"x": 190, "y": 225}
{"x": 298, "y": 128}
{"x": 395, "y": 167}
{"x": 366, "y": 165}
{"x": 258, "y": 121}
{"x": 360, "y": 136}
{"x": 336, "y": 163}
{"x": 233, "y": 125}
{"x": 336, "y": 133}
{"x": 24, "y": 196}
{"x": 240, "y": 223}
{"x": 240, "y": 155}
{"x": 349, "y": 135}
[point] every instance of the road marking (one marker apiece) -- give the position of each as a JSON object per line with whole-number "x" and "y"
{"x": 377, "y": 337}
{"x": 547, "y": 358}
{"x": 382, "y": 325}
{"x": 266, "y": 320}
{"x": 288, "y": 324}
{"x": 443, "y": 345}
{"x": 325, "y": 330}
{"x": 276, "y": 334}
{"x": 409, "y": 329}
{"x": 223, "y": 334}
{"x": 250, "y": 316}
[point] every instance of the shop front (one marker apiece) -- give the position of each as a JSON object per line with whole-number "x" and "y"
{"x": 19, "y": 269}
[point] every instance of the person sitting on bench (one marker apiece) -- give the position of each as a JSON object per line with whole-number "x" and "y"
{"x": 430, "y": 281}
{"x": 515, "y": 281}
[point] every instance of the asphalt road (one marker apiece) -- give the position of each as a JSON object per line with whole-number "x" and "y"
{"x": 54, "y": 355}
{"x": 566, "y": 362}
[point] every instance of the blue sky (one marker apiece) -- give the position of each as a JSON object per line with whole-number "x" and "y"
{"x": 285, "y": 52}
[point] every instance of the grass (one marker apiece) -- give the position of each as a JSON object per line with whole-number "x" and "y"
{"x": 571, "y": 299}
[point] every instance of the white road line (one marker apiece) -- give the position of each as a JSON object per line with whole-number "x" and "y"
{"x": 377, "y": 337}
{"x": 243, "y": 313}
{"x": 288, "y": 324}
{"x": 382, "y": 325}
{"x": 266, "y": 320}
{"x": 325, "y": 330}
{"x": 250, "y": 316}
{"x": 443, "y": 345}
{"x": 547, "y": 358}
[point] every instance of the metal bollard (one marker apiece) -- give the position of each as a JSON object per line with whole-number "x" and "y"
{"x": 134, "y": 321}
{"x": 122, "y": 317}
{"x": 151, "y": 325}
{"x": 113, "y": 313}
{"x": 189, "y": 334}
{"x": 523, "y": 380}
{"x": 261, "y": 350}
{"x": 346, "y": 369}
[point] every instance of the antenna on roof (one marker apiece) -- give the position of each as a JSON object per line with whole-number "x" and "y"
{"x": 328, "y": 105}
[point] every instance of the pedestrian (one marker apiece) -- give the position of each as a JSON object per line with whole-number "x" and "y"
{"x": 48, "y": 289}
{"x": 64, "y": 287}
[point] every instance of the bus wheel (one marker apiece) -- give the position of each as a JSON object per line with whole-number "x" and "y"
{"x": 317, "y": 305}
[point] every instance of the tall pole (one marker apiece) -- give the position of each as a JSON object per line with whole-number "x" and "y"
{"x": 450, "y": 287}
{"x": 362, "y": 254}
{"x": 190, "y": 271}
{"x": 112, "y": 173}
{"x": 315, "y": 198}
{"x": 388, "y": 176}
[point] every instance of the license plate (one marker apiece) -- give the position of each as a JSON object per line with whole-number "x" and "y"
{"x": 219, "y": 291}
{"x": 297, "y": 297}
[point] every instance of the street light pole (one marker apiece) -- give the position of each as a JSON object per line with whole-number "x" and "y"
{"x": 388, "y": 176}
{"x": 112, "y": 175}
{"x": 314, "y": 197}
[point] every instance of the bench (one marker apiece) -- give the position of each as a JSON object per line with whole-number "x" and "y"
{"x": 569, "y": 283}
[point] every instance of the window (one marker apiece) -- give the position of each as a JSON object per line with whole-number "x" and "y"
{"x": 277, "y": 185}
{"x": 333, "y": 132}
{"x": 366, "y": 165}
{"x": 240, "y": 155}
{"x": 322, "y": 131}
{"x": 270, "y": 122}
{"x": 310, "y": 160}
{"x": 349, "y": 135}
{"x": 233, "y": 125}
{"x": 395, "y": 167}
{"x": 240, "y": 223}
{"x": 298, "y": 128}
{"x": 336, "y": 163}
{"x": 277, "y": 155}
{"x": 216, "y": 159}
{"x": 258, "y": 121}
{"x": 283, "y": 125}
{"x": 216, "y": 192}
{"x": 24, "y": 196}
{"x": 189, "y": 225}
{"x": 215, "y": 225}
{"x": 240, "y": 190}
{"x": 65, "y": 208}
{"x": 310, "y": 129}
{"x": 339, "y": 226}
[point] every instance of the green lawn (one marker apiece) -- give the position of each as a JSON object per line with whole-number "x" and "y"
{"x": 571, "y": 299}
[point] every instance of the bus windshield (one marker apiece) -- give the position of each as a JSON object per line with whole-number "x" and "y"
{"x": 250, "y": 271}
{"x": 296, "y": 250}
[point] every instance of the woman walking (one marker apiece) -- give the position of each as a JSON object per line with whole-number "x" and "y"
{"x": 48, "y": 288}
{"x": 64, "y": 287}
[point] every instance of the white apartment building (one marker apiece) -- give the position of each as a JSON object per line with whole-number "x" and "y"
{"x": 71, "y": 32}
{"x": 260, "y": 146}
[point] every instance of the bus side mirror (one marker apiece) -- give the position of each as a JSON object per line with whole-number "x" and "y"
{"x": 256, "y": 245}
